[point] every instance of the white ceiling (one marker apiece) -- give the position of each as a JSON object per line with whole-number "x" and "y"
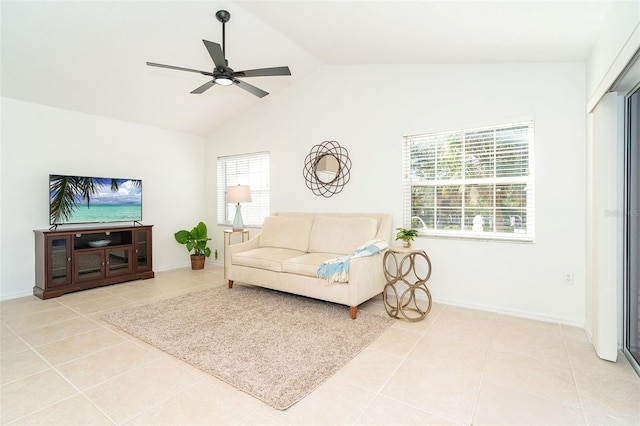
{"x": 90, "y": 56}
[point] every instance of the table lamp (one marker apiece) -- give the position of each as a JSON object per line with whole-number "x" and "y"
{"x": 238, "y": 194}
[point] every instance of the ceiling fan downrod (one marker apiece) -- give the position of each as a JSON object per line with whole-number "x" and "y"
{"x": 223, "y": 16}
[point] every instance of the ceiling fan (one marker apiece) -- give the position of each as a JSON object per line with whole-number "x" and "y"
{"x": 224, "y": 75}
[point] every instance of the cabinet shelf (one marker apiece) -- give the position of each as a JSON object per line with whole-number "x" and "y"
{"x": 87, "y": 248}
{"x": 86, "y": 271}
{"x": 67, "y": 262}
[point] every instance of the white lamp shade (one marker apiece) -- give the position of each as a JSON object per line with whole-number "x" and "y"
{"x": 238, "y": 194}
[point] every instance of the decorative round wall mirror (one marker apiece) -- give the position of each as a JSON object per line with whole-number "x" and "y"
{"x": 327, "y": 168}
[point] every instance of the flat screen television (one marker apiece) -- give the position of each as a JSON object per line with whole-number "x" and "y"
{"x": 85, "y": 199}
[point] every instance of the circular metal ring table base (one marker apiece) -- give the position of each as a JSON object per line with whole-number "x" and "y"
{"x": 406, "y": 276}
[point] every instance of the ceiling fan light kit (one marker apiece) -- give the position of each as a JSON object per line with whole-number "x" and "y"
{"x": 223, "y": 81}
{"x": 222, "y": 74}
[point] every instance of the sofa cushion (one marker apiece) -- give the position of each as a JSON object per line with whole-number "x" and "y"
{"x": 286, "y": 232}
{"x": 341, "y": 235}
{"x": 264, "y": 257}
{"x": 307, "y": 264}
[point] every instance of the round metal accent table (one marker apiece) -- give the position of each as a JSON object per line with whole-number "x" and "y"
{"x": 407, "y": 272}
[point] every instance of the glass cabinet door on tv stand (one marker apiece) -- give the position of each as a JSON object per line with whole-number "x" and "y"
{"x": 88, "y": 265}
{"x": 142, "y": 250}
{"x": 118, "y": 261}
{"x": 59, "y": 256}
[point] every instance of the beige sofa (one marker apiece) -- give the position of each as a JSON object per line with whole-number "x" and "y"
{"x": 286, "y": 254}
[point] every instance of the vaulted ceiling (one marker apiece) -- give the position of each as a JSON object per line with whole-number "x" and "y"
{"x": 89, "y": 56}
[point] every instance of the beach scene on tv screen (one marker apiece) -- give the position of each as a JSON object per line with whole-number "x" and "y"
{"x": 77, "y": 199}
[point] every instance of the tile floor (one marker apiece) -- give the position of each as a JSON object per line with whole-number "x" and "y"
{"x": 60, "y": 364}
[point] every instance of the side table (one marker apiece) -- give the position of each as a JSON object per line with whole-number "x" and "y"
{"x": 228, "y": 234}
{"x": 407, "y": 272}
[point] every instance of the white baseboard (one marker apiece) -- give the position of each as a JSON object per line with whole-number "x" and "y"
{"x": 511, "y": 312}
{"x": 502, "y": 311}
{"x": 17, "y": 295}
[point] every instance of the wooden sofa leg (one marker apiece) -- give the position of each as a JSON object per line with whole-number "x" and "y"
{"x": 354, "y": 312}
{"x": 230, "y": 283}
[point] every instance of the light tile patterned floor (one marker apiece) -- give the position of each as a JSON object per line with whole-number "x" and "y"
{"x": 60, "y": 364}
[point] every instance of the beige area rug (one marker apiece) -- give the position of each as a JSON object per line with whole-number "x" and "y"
{"x": 274, "y": 346}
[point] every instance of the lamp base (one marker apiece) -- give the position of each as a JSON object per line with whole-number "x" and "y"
{"x": 238, "y": 225}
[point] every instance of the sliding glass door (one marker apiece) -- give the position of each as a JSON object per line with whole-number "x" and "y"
{"x": 632, "y": 230}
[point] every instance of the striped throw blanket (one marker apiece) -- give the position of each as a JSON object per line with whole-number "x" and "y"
{"x": 337, "y": 270}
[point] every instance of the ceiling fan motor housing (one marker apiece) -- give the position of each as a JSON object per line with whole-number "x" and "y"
{"x": 223, "y": 16}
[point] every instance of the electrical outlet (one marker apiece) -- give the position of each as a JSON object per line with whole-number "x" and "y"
{"x": 567, "y": 278}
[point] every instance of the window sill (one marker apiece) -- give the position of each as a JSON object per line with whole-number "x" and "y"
{"x": 480, "y": 236}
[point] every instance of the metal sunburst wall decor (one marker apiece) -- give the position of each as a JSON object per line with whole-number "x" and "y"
{"x": 327, "y": 168}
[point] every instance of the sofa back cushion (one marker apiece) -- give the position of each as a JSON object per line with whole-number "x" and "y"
{"x": 341, "y": 235}
{"x": 286, "y": 232}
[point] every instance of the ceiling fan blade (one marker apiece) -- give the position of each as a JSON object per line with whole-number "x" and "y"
{"x": 216, "y": 53}
{"x": 171, "y": 67}
{"x": 263, "y": 72}
{"x": 204, "y": 87}
{"x": 251, "y": 89}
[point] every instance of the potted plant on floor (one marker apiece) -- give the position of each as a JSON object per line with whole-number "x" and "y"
{"x": 195, "y": 240}
{"x": 406, "y": 235}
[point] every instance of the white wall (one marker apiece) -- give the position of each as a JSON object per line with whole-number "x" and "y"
{"x": 368, "y": 109}
{"x": 38, "y": 140}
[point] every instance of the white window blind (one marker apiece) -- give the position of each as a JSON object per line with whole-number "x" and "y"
{"x": 474, "y": 183}
{"x": 246, "y": 169}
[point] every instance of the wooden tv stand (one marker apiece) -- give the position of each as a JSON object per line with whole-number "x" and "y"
{"x": 78, "y": 259}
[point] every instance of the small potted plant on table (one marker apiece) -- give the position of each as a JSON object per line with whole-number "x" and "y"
{"x": 195, "y": 240}
{"x": 406, "y": 235}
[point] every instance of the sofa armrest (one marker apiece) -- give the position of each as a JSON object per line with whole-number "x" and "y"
{"x": 252, "y": 243}
{"x": 366, "y": 277}
{"x": 237, "y": 248}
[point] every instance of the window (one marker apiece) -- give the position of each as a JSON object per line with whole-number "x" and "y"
{"x": 474, "y": 183}
{"x": 247, "y": 169}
